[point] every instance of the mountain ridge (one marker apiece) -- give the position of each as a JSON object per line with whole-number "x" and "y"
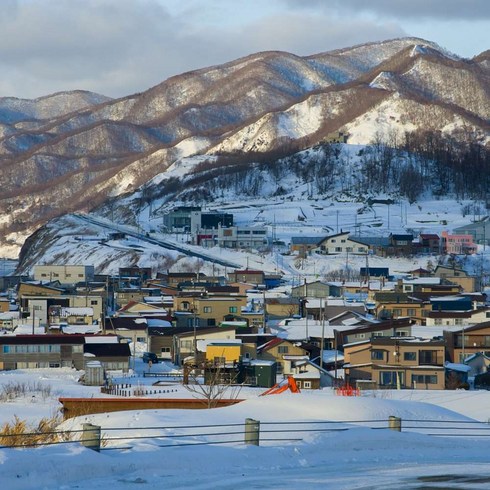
{"x": 78, "y": 159}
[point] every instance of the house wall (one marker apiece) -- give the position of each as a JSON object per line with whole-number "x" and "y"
{"x": 458, "y": 244}
{"x": 184, "y": 343}
{"x": 282, "y": 310}
{"x": 231, "y": 353}
{"x": 341, "y": 244}
{"x": 65, "y": 274}
{"x": 210, "y": 310}
{"x": 475, "y": 340}
{"x": 378, "y": 362}
{"x": 161, "y": 345}
{"x": 30, "y": 356}
{"x": 277, "y": 352}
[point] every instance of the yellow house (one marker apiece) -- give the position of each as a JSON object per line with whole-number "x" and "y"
{"x": 223, "y": 352}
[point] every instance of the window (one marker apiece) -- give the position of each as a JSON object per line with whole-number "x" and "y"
{"x": 185, "y": 305}
{"x": 377, "y": 355}
{"x": 6, "y": 349}
{"x": 307, "y": 384}
{"x": 186, "y": 344}
{"x": 377, "y": 334}
{"x": 409, "y": 356}
{"x": 338, "y": 249}
{"x": 411, "y": 311}
{"x": 232, "y": 309}
{"x": 193, "y": 322}
{"x": 94, "y": 302}
{"x": 74, "y": 349}
{"x": 401, "y": 333}
{"x": 349, "y": 249}
{"x": 428, "y": 357}
{"x": 165, "y": 350}
{"x": 430, "y": 379}
{"x": 397, "y": 312}
{"x": 283, "y": 349}
{"x": 391, "y": 378}
{"x": 211, "y": 322}
{"x": 437, "y": 321}
{"x": 140, "y": 339}
{"x": 219, "y": 360}
{"x": 458, "y": 321}
{"x": 207, "y": 309}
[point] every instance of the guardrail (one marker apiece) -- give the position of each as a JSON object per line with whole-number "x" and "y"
{"x": 250, "y": 432}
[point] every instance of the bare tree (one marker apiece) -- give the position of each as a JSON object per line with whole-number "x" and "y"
{"x": 216, "y": 383}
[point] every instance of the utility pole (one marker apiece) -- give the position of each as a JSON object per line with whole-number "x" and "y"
{"x": 322, "y": 311}
{"x": 263, "y": 311}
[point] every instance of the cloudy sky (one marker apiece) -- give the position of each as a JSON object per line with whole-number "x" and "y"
{"x": 119, "y": 47}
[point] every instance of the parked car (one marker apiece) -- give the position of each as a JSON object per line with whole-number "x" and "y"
{"x": 149, "y": 356}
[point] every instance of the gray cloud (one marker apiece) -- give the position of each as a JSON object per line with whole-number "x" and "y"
{"x": 119, "y": 47}
{"x": 401, "y": 9}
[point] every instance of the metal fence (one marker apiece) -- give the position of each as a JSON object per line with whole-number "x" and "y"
{"x": 250, "y": 432}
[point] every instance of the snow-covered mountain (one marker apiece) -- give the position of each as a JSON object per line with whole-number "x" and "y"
{"x": 72, "y": 151}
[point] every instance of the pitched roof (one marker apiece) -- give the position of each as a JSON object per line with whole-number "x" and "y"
{"x": 305, "y": 240}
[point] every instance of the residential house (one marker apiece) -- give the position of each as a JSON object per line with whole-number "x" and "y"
{"x": 204, "y": 310}
{"x": 139, "y": 274}
{"x": 106, "y": 349}
{"x": 174, "y": 279}
{"x": 161, "y": 340}
{"x": 368, "y": 272}
{"x": 458, "y": 276}
{"x": 141, "y": 309}
{"x": 315, "y": 289}
{"x": 38, "y": 308}
{"x": 71, "y": 316}
{"x": 457, "y": 310}
{"x": 276, "y": 350}
{"x": 391, "y": 304}
{"x": 377, "y": 245}
{"x": 467, "y": 341}
{"x": 304, "y": 245}
{"x": 359, "y": 333}
{"x": 428, "y": 243}
{"x": 248, "y": 276}
{"x": 41, "y": 351}
{"x": 457, "y": 244}
{"x": 340, "y": 244}
{"x": 192, "y": 344}
{"x": 130, "y": 328}
{"x": 384, "y": 362}
{"x": 224, "y": 352}
{"x": 307, "y": 374}
{"x": 401, "y": 244}
{"x": 478, "y": 363}
{"x": 277, "y": 308}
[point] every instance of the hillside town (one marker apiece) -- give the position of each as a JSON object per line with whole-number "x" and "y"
{"x": 428, "y": 328}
